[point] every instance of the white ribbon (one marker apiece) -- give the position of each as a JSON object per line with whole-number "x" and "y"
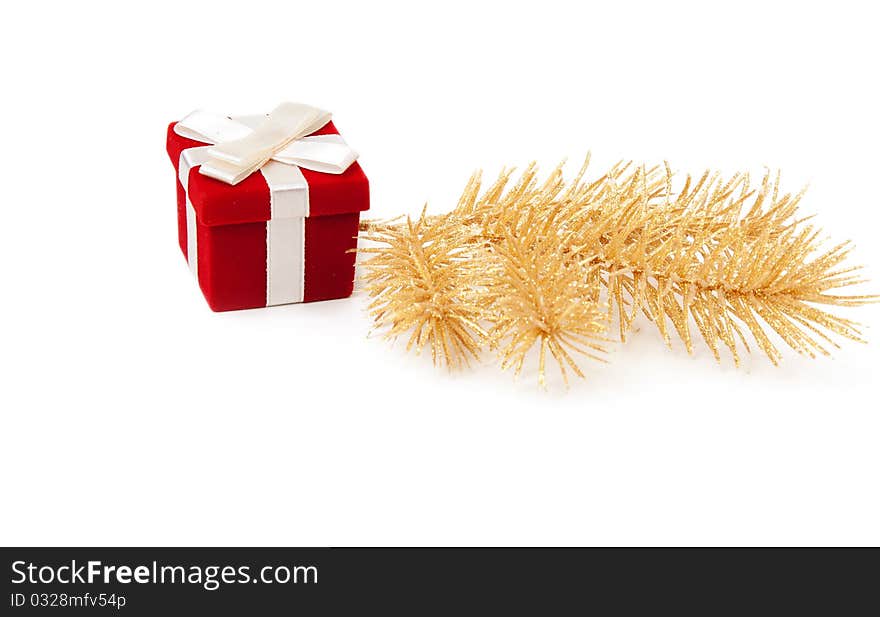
{"x": 278, "y": 146}
{"x": 242, "y": 146}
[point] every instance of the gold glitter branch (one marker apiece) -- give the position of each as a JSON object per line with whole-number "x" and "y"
{"x": 420, "y": 281}
{"x": 529, "y": 264}
{"x": 540, "y": 293}
{"x": 720, "y": 255}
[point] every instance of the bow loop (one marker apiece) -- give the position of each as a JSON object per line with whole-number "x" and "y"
{"x": 243, "y": 146}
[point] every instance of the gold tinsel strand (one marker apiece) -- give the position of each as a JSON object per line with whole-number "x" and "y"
{"x": 541, "y": 264}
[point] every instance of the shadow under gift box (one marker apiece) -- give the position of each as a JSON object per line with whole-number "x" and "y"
{"x": 231, "y": 231}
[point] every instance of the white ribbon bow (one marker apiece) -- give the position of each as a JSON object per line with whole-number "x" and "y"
{"x": 244, "y": 145}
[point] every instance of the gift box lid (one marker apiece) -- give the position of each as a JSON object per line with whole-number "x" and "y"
{"x": 218, "y": 203}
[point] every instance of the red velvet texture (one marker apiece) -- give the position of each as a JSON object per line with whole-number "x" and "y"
{"x": 231, "y": 229}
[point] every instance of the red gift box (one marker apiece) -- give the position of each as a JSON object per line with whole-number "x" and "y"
{"x": 283, "y": 234}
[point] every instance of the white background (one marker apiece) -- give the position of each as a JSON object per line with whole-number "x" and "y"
{"x": 132, "y": 414}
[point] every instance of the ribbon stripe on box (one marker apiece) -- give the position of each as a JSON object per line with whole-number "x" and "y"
{"x": 277, "y": 146}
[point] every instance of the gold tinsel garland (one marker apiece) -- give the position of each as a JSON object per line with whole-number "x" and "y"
{"x": 548, "y": 265}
